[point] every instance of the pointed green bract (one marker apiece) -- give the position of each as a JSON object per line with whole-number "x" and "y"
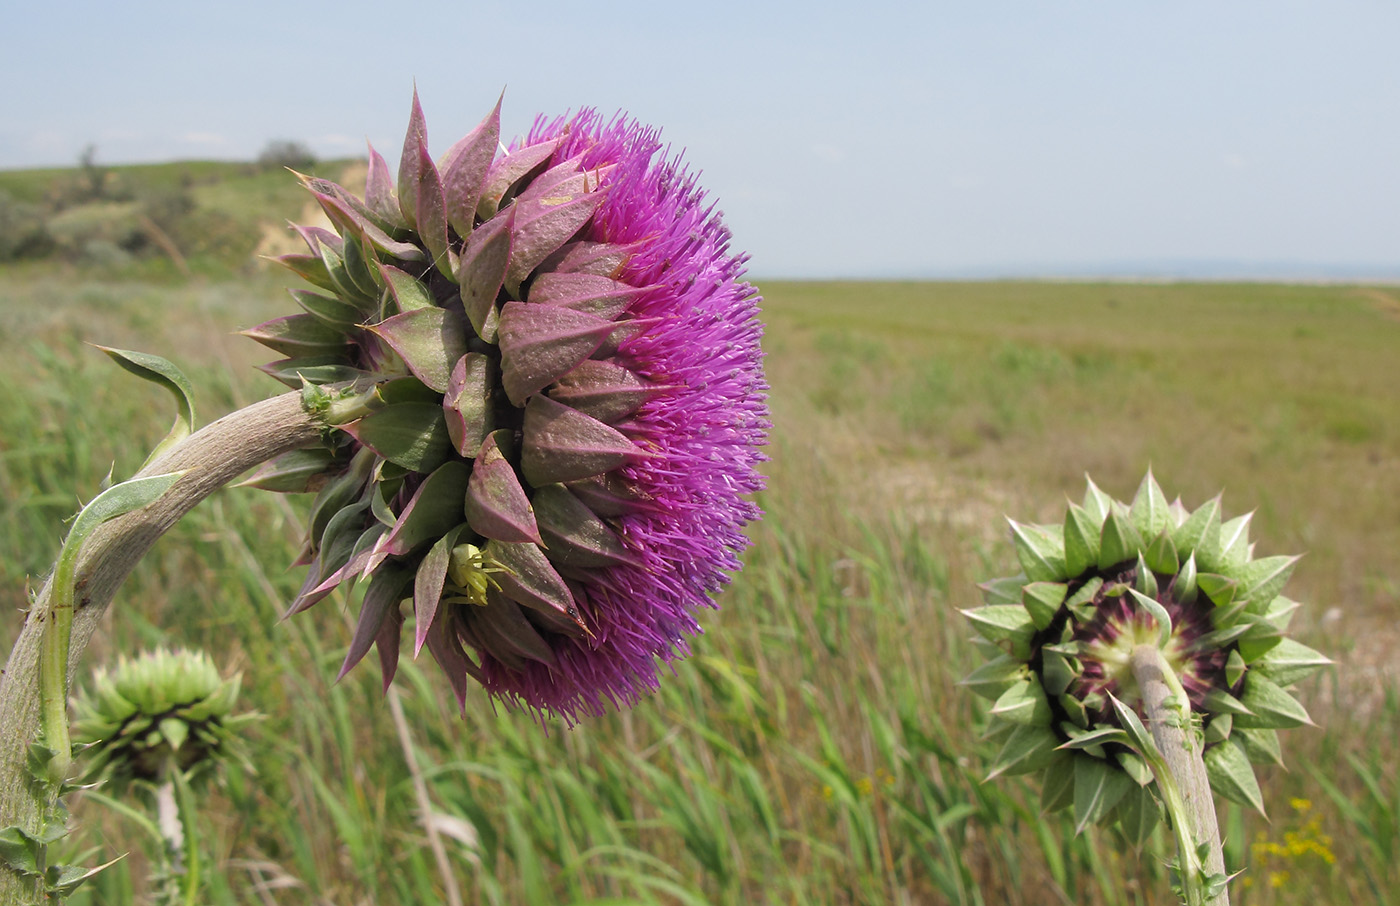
{"x": 1200, "y": 533}
{"x": 1290, "y": 662}
{"x": 1271, "y": 708}
{"x": 1161, "y": 556}
{"x": 1029, "y": 748}
{"x": 1094, "y": 590}
{"x": 1232, "y": 776}
{"x": 1149, "y": 509}
{"x": 1040, "y": 550}
{"x": 1119, "y": 541}
{"x": 1081, "y": 534}
{"x": 1097, "y": 789}
{"x": 1042, "y": 601}
{"x": 1096, "y": 503}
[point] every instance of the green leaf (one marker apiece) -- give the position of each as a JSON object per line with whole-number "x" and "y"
{"x": 159, "y": 371}
{"x": 1006, "y": 590}
{"x": 1200, "y": 533}
{"x": 19, "y": 851}
{"x": 1262, "y": 637}
{"x": 1097, "y": 504}
{"x": 1271, "y": 707}
{"x": 334, "y": 311}
{"x": 994, "y": 677}
{"x": 1092, "y": 738}
{"x": 1138, "y": 737}
{"x": 1232, "y": 776}
{"x": 1149, "y": 509}
{"x": 1029, "y": 748}
{"x": 1290, "y": 662}
{"x": 1161, "y": 554}
{"x": 1098, "y": 787}
{"x": 412, "y": 435}
{"x": 1118, "y": 541}
{"x": 1218, "y": 728}
{"x": 1057, "y": 788}
{"x": 1184, "y": 586}
{"x": 429, "y": 340}
{"x": 1042, "y": 601}
{"x": 1234, "y": 668}
{"x": 1000, "y": 622}
{"x": 1024, "y": 703}
{"x": 1144, "y": 579}
{"x": 1234, "y": 543}
{"x": 1218, "y": 701}
{"x": 1262, "y": 746}
{"x": 1261, "y": 580}
{"x": 1057, "y": 671}
{"x": 64, "y": 879}
{"x": 408, "y": 293}
{"x": 1220, "y": 589}
{"x": 1158, "y": 612}
{"x": 1081, "y": 602}
{"x": 1081, "y": 541}
{"x": 1138, "y": 816}
{"x": 294, "y": 473}
{"x": 1040, "y": 550}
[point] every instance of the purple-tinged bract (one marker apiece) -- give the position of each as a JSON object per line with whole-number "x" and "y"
{"x": 545, "y": 371}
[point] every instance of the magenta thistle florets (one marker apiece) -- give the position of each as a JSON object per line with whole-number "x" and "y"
{"x": 545, "y": 375}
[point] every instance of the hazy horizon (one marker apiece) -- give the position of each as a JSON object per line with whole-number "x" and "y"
{"x": 894, "y": 139}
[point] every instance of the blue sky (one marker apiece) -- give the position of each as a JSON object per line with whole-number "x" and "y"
{"x": 900, "y": 139}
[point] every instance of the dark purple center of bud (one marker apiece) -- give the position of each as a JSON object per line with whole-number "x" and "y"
{"x": 1106, "y": 641}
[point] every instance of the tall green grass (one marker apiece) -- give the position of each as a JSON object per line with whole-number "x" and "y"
{"x": 816, "y": 748}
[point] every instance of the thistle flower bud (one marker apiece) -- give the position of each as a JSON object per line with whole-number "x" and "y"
{"x": 1113, "y": 577}
{"x": 165, "y": 710}
{"x": 544, "y": 376}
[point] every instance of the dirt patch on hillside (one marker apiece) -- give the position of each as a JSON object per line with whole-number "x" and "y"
{"x": 281, "y": 239}
{"x": 1386, "y": 302}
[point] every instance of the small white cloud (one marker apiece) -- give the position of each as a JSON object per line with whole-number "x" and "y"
{"x": 829, "y": 153}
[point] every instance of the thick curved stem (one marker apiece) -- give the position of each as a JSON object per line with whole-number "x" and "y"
{"x": 1169, "y": 720}
{"x": 210, "y": 458}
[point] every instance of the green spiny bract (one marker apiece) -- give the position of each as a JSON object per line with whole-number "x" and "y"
{"x": 1061, "y": 632}
{"x": 161, "y": 711}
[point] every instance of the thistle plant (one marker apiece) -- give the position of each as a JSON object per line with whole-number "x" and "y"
{"x": 162, "y": 724}
{"x": 543, "y": 373}
{"x": 1127, "y": 617}
{"x": 528, "y": 391}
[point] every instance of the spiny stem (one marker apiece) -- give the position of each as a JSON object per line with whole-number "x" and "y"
{"x": 1185, "y": 788}
{"x": 208, "y": 459}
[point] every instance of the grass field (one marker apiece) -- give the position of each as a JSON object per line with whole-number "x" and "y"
{"x": 815, "y": 750}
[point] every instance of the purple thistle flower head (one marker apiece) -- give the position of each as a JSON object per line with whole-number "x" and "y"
{"x": 544, "y": 371}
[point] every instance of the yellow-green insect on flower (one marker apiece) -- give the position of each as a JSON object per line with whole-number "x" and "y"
{"x": 162, "y": 711}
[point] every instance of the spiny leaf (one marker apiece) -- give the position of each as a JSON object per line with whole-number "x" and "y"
{"x": 1149, "y": 509}
{"x": 1042, "y": 601}
{"x": 1271, "y": 707}
{"x": 1081, "y": 540}
{"x": 1098, "y": 787}
{"x": 1040, "y": 550}
{"x": 1232, "y": 776}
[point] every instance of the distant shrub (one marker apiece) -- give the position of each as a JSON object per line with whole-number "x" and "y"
{"x": 23, "y": 232}
{"x": 284, "y": 153}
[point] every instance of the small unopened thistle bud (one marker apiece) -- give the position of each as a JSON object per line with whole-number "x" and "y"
{"x": 162, "y": 711}
{"x": 543, "y": 375}
{"x": 1113, "y": 577}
